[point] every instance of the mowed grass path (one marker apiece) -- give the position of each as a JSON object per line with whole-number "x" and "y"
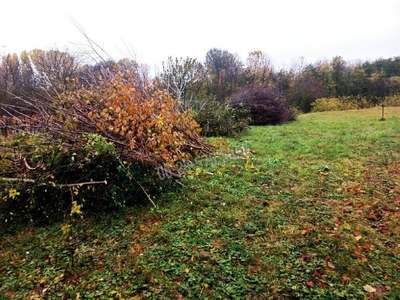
{"x": 307, "y": 210}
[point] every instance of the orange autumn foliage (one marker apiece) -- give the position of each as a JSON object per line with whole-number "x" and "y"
{"x": 144, "y": 123}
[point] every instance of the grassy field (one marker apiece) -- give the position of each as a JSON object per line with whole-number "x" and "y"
{"x": 307, "y": 210}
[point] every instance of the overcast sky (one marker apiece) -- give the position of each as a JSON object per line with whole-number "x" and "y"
{"x": 156, "y": 29}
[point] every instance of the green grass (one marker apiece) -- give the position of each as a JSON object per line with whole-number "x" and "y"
{"x": 307, "y": 210}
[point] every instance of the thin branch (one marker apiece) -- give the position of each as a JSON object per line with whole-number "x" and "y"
{"x": 144, "y": 191}
{"x": 92, "y": 44}
{"x": 17, "y": 179}
{"x": 59, "y": 185}
{"x": 29, "y": 167}
{"x": 83, "y": 183}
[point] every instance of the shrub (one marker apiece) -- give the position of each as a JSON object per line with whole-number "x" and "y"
{"x": 266, "y": 105}
{"x": 393, "y": 100}
{"x": 40, "y": 187}
{"x": 220, "y": 119}
{"x": 342, "y": 103}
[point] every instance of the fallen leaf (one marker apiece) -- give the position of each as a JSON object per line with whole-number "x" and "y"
{"x": 327, "y": 229}
{"x": 9, "y": 295}
{"x": 380, "y": 288}
{"x": 304, "y": 231}
{"x": 346, "y": 226}
{"x": 367, "y": 247}
{"x": 355, "y": 189}
{"x": 345, "y": 279}
{"x": 338, "y": 221}
{"x": 374, "y": 216}
{"x": 217, "y": 243}
{"x": 186, "y": 270}
{"x": 317, "y": 274}
{"x": 384, "y": 229}
{"x": 310, "y": 284}
{"x": 369, "y": 289}
{"x": 58, "y": 277}
{"x": 331, "y": 265}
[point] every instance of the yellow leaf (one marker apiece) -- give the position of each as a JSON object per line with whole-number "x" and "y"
{"x": 12, "y": 193}
{"x": 76, "y": 209}
{"x": 65, "y": 227}
{"x": 186, "y": 270}
{"x": 249, "y": 166}
{"x": 346, "y": 226}
{"x": 76, "y": 191}
{"x": 58, "y": 277}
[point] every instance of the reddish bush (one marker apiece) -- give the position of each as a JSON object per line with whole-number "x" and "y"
{"x": 265, "y": 105}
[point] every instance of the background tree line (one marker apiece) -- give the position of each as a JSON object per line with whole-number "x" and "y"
{"x": 201, "y": 85}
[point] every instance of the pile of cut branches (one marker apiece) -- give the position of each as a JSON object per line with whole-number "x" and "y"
{"x": 113, "y": 131}
{"x": 144, "y": 123}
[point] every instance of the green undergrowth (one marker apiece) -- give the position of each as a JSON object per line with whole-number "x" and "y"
{"x": 307, "y": 210}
